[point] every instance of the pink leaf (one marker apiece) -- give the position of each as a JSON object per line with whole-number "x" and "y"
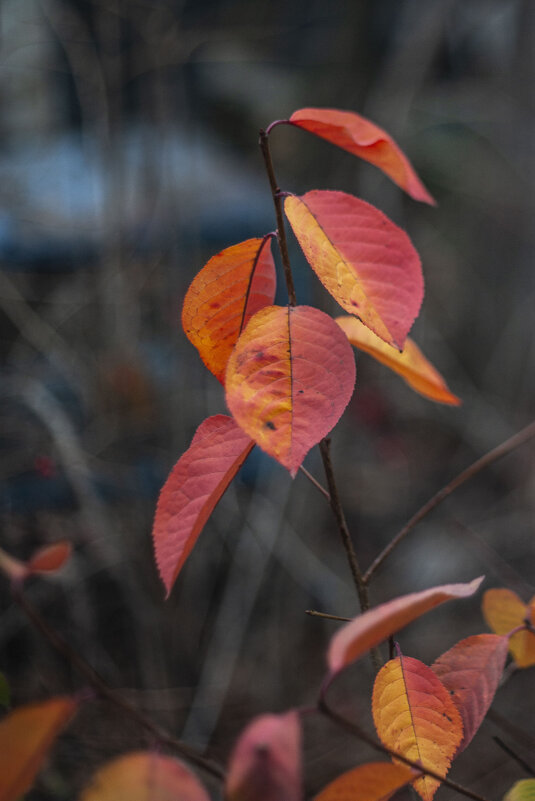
{"x": 266, "y": 762}
{"x": 195, "y": 485}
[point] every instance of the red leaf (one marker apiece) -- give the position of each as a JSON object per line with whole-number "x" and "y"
{"x": 195, "y": 485}
{"x": 224, "y": 295}
{"x": 26, "y": 736}
{"x": 367, "y": 263}
{"x": 415, "y": 716}
{"x": 369, "y": 629}
{"x": 471, "y": 671}
{"x": 50, "y": 558}
{"x": 366, "y": 140}
{"x": 289, "y": 379}
{"x": 266, "y": 762}
{"x": 145, "y": 776}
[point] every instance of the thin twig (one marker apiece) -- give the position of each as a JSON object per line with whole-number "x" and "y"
{"x": 314, "y": 613}
{"x": 509, "y": 445}
{"x": 354, "y": 729}
{"x": 281, "y": 231}
{"x": 105, "y": 691}
{"x": 523, "y": 764}
{"x": 315, "y": 482}
{"x": 336, "y": 506}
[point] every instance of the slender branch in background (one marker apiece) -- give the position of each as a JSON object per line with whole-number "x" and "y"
{"x": 315, "y": 482}
{"x": 314, "y": 613}
{"x": 355, "y": 730}
{"x": 281, "y": 231}
{"x": 506, "y": 447}
{"x": 518, "y": 759}
{"x": 105, "y": 691}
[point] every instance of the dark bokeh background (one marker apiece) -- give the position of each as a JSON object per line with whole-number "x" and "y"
{"x": 128, "y": 156}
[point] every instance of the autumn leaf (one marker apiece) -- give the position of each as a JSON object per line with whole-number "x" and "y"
{"x": 266, "y": 762}
{"x": 504, "y": 611}
{"x": 195, "y": 485}
{"x": 364, "y": 139}
{"x": 50, "y": 558}
{"x": 415, "y": 716}
{"x": 377, "y": 624}
{"x": 524, "y": 790}
{"x": 26, "y": 736}
{"x": 145, "y": 776}
{"x": 471, "y": 671}
{"x": 375, "y": 781}
{"x": 367, "y": 263}
{"x": 289, "y": 379}
{"x": 410, "y": 364}
{"x": 224, "y": 295}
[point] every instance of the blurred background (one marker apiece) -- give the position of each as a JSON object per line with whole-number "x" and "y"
{"x": 128, "y": 157}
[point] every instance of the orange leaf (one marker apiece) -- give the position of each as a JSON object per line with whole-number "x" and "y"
{"x": 289, "y": 379}
{"x": 504, "y": 611}
{"x": 410, "y": 364}
{"x": 266, "y": 762}
{"x": 195, "y": 485}
{"x": 224, "y": 295}
{"x": 471, "y": 671}
{"x": 145, "y": 776}
{"x": 26, "y": 736}
{"x": 367, "y": 263}
{"x": 415, "y": 716}
{"x": 366, "y": 140}
{"x": 50, "y": 558}
{"x": 369, "y": 629}
{"x": 375, "y": 781}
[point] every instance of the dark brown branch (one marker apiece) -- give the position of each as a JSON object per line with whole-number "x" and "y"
{"x": 315, "y": 482}
{"x": 518, "y": 759}
{"x": 281, "y": 231}
{"x": 506, "y": 447}
{"x": 354, "y": 729}
{"x": 106, "y": 692}
{"x": 314, "y": 613}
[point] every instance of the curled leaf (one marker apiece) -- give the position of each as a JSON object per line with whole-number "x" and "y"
{"x": 410, "y": 363}
{"x": 471, "y": 672}
{"x": 145, "y": 776}
{"x": 504, "y": 611}
{"x": 26, "y": 736}
{"x": 224, "y": 295}
{"x": 375, "y": 781}
{"x": 364, "y": 139}
{"x": 289, "y": 379}
{"x": 266, "y": 762}
{"x": 367, "y": 263}
{"x": 415, "y": 716}
{"x": 377, "y": 624}
{"x": 194, "y": 487}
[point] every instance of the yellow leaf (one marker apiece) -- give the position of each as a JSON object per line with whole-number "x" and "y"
{"x": 504, "y": 611}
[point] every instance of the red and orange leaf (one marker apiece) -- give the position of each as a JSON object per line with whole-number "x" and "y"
{"x": 377, "y": 624}
{"x": 224, "y": 295}
{"x": 50, "y": 558}
{"x": 195, "y": 485}
{"x": 471, "y": 671}
{"x": 410, "y": 364}
{"x": 145, "y": 776}
{"x": 504, "y": 611}
{"x": 524, "y": 790}
{"x": 364, "y": 139}
{"x": 266, "y": 762}
{"x": 289, "y": 379}
{"x": 375, "y": 781}
{"x": 367, "y": 263}
{"x": 26, "y": 736}
{"x": 415, "y": 716}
